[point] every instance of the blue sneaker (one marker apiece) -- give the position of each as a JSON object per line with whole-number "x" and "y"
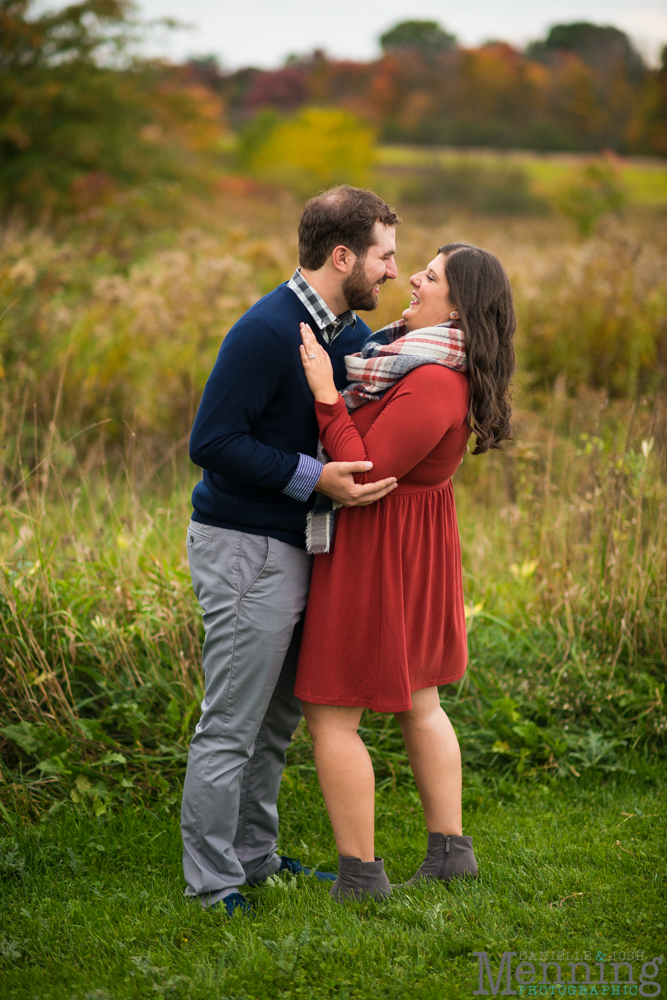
{"x": 295, "y": 867}
{"x": 236, "y": 901}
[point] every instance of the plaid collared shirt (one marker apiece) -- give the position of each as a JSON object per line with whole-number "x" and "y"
{"x": 328, "y": 324}
{"x": 309, "y": 470}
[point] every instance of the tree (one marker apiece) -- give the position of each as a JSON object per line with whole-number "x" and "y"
{"x": 648, "y": 128}
{"x": 207, "y": 70}
{"x": 285, "y": 89}
{"x": 602, "y": 47}
{"x": 317, "y": 148}
{"x": 425, "y": 36}
{"x": 78, "y": 117}
{"x": 76, "y": 32}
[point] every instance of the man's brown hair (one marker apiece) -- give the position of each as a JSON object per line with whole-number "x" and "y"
{"x": 342, "y": 216}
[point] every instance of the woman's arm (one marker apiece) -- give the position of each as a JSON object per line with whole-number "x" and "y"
{"x": 319, "y": 375}
{"x": 424, "y": 406}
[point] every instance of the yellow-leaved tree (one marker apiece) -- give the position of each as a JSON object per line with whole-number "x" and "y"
{"x": 315, "y": 149}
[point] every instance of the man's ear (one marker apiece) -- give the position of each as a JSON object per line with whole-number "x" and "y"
{"x": 343, "y": 259}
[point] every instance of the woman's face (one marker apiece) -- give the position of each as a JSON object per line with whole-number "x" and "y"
{"x": 430, "y": 303}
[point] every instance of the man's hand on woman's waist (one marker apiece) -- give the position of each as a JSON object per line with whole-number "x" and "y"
{"x": 337, "y": 483}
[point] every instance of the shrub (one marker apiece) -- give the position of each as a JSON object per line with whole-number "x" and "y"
{"x": 591, "y": 193}
{"x": 316, "y": 149}
{"x": 500, "y": 190}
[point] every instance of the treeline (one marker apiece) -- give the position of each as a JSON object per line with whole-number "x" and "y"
{"x": 583, "y": 88}
{"x": 86, "y": 124}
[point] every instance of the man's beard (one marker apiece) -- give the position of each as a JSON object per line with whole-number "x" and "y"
{"x": 358, "y": 293}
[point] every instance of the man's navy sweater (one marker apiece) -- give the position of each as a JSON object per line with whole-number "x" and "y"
{"x": 257, "y": 415}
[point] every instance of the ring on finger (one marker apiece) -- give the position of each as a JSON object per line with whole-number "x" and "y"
{"x": 311, "y": 356}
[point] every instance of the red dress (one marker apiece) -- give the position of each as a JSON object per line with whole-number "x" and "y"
{"x": 385, "y": 613}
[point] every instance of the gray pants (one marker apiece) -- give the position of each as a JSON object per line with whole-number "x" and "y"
{"x": 253, "y": 592}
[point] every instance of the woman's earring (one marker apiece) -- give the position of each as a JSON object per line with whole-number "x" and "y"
{"x": 452, "y": 315}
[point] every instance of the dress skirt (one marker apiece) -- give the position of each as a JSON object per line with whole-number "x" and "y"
{"x": 386, "y": 614}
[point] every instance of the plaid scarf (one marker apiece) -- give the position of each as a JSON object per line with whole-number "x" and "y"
{"x": 392, "y": 353}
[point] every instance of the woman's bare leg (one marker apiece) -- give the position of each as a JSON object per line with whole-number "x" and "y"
{"x": 346, "y": 777}
{"x": 435, "y": 759}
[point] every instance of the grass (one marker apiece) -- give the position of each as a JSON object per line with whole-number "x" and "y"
{"x": 92, "y": 909}
{"x": 564, "y": 561}
{"x": 562, "y": 716}
{"x": 121, "y": 331}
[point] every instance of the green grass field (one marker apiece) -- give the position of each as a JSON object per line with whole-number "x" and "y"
{"x": 93, "y": 909}
{"x": 644, "y": 179}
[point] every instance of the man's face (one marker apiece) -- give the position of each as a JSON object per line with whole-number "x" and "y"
{"x": 361, "y": 287}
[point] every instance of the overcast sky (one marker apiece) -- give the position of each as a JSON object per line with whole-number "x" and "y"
{"x": 263, "y": 32}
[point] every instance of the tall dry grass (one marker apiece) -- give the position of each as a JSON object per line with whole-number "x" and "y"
{"x": 565, "y": 572}
{"x": 128, "y": 337}
{"x": 563, "y": 536}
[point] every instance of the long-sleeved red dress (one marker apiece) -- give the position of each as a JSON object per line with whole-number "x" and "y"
{"x": 385, "y": 614}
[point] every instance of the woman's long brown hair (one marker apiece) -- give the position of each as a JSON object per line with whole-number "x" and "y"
{"x": 480, "y": 291}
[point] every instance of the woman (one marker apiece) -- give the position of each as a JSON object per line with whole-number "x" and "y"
{"x": 385, "y": 621}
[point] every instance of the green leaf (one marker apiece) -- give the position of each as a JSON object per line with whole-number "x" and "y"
{"x": 92, "y": 730}
{"x": 25, "y": 736}
{"x": 112, "y": 758}
{"x": 54, "y": 765}
{"x": 529, "y": 733}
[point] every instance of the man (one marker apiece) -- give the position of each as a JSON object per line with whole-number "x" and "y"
{"x": 255, "y": 436}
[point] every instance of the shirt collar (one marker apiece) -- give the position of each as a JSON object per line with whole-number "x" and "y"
{"x": 327, "y": 322}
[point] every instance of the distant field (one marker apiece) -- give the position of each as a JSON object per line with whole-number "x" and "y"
{"x": 645, "y": 178}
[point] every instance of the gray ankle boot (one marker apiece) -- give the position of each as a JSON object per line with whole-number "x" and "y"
{"x": 358, "y": 879}
{"x": 446, "y": 858}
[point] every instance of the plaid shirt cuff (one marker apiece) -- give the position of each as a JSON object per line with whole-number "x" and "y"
{"x": 305, "y": 479}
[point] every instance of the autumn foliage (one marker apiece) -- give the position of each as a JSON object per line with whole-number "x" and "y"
{"x": 80, "y": 119}
{"x": 579, "y": 90}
